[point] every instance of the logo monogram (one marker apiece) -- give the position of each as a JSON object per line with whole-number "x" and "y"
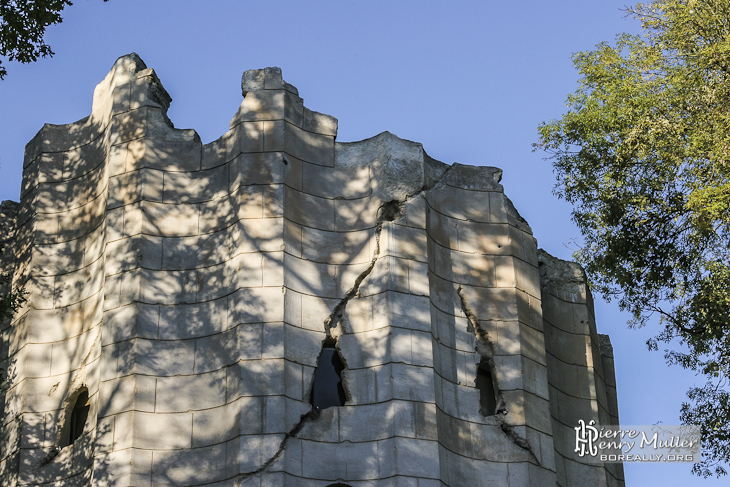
{"x": 585, "y": 438}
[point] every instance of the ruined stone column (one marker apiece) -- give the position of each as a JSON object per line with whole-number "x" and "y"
{"x": 272, "y": 308}
{"x": 580, "y": 371}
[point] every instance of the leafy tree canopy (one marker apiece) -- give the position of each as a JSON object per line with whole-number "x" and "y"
{"x": 10, "y": 302}
{"x": 22, "y": 26}
{"x": 643, "y": 154}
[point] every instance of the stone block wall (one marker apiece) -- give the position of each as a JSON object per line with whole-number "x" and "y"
{"x": 580, "y": 370}
{"x": 190, "y": 289}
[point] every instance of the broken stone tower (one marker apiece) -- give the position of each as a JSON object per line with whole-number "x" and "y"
{"x": 276, "y": 308}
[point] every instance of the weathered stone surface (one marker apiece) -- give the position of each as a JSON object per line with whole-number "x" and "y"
{"x": 190, "y": 291}
{"x": 579, "y": 368}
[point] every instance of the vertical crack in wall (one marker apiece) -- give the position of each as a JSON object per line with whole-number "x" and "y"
{"x": 389, "y": 211}
{"x": 386, "y": 212}
{"x": 485, "y": 348}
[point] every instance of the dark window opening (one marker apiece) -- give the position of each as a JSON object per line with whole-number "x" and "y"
{"x": 77, "y": 419}
{"x": 327, "y": 389}
{"x": 487, "y": 395}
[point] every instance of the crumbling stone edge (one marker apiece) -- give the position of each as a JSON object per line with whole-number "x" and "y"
{"x": 335, "y": 318}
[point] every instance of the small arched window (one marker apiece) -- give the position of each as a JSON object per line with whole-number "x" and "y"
{"x": 77, "y": 416}
{"x": 487, "y": 394}
{"x": 327, "y": 390}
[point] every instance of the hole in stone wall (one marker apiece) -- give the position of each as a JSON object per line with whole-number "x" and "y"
{"x": 77, "y": 418}
{"x": 487, "y": 395}
{"x": 327, "y": 389}
{"x": 391, "y": 210}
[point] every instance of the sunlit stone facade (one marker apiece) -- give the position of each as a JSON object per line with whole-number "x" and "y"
{"x": 180, "y": 297}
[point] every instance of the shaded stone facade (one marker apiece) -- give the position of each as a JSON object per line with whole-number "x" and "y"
{"x": 180, "y": 297}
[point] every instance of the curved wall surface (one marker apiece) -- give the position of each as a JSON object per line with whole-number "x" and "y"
{"x": 188, "y": 291}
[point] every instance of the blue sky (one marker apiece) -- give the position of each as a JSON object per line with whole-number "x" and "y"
{"x": 470, "y": 80}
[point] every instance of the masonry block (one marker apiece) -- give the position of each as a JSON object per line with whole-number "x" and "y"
{"x": 258, "y": 168}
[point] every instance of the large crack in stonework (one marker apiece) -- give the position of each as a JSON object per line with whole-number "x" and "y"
{"x": 387, "y": 212}
{"x": 485, "y": 348}
{"x": 55, "y": 450}
{"x": 310, "y": 415}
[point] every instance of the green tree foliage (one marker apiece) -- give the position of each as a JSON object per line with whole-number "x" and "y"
{"x": 22, "y": 26}
{"x": 643, "y": 154}
{"x": 10, "y": 302}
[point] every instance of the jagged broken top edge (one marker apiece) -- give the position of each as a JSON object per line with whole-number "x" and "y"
{"x": 561, "y": 273}
{"x": 128, "y": 67}
{"x": 122, "y": 71}
{"x": 270, "y": 78}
